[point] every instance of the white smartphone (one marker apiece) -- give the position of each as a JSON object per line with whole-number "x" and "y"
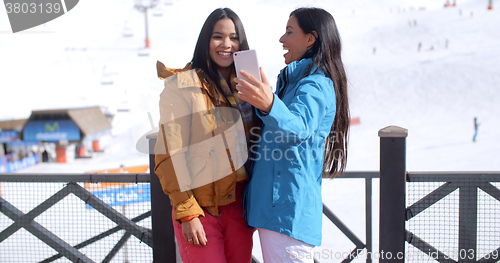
{"x": 247, "y": 60}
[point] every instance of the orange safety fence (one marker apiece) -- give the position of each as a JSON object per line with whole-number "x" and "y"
{"x": 134, "y": 169}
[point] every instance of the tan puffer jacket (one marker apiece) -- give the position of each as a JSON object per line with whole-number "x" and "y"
{"x": 198, "y": 155}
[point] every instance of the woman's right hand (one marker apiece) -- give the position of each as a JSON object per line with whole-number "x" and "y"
{"x": 194, "y": 233}
{"x": 255, "y": 92}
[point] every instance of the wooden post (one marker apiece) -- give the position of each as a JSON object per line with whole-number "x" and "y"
{"x": 164, "y": 247}
{"x": 392, "y": 193}
{"x": 467, "y": 222}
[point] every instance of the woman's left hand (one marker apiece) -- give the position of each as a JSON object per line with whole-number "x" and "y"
{"x": 257, "y": 93}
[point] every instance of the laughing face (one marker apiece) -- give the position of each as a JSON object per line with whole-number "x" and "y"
{"x": 295, "y": 42}
{"x": 224, "y": 43}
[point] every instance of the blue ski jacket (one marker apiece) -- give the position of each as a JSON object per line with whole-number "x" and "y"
{"x": 284, "y": 192}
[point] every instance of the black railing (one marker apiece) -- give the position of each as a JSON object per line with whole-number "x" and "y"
{"x": 456, "y": 245}
{"x": 164, "y": 247}
{"x": 71, "y": 186}
{"x": 468, "y": 186}
{"x": 161, "y": 236}
{"x": 360, "y": 246}
{"x": 395, "y": 214}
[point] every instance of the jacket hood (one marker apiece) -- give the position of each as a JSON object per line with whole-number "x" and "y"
{"x": 164, "y": 72}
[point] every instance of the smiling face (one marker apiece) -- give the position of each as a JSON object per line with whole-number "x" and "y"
{"x": 295, "y": 41}
{"x": 223, "y": 43}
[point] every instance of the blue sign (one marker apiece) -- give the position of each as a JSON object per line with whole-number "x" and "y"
{"x": 3, "y": 164}
{"x": 7, "y": 136}
{"x": 124, "y": 196}
{"x": 51, "y": 131}
{"x": 9, "y": 167}
{"x": 22, "y": 144}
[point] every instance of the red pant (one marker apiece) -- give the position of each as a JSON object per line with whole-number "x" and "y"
{"x": 229, "y": 239}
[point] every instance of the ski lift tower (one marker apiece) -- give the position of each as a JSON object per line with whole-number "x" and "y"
{"x": 143, "y": 6}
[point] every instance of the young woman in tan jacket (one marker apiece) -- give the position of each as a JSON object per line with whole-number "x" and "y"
{"x": 203, "y": 145}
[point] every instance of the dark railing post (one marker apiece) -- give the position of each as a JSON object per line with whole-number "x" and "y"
{"x": 467, "y": 222}
{"x": 392, "y": 193}
{"x": 161, "y": 215}
{"x": 368, "y": 218}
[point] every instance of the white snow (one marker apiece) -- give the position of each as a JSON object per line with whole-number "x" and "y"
{"x": 434, "y": 93}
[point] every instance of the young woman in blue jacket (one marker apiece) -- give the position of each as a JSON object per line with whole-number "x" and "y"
{"x": 304, "y": 134}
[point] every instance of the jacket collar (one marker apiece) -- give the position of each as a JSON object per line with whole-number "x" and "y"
{"x": 189, "y": 78}
{"x": 291, "y": 74}
{"x": 297, "y": 69}
{"x": 164, "y": 72}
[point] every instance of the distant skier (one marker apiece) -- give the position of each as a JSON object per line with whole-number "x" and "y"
{"x": 419, "y": 46}
{"x": 476, "y": 125}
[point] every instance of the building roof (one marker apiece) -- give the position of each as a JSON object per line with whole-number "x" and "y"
{"x": 12, "y": 125}
{"x": 89, "y": 120}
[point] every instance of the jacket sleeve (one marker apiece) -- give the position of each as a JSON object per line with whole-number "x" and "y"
{"x": 170, "y": 151}
{"x": 300, "y": 118}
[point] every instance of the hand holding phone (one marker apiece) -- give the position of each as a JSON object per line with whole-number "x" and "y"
{"x": 247, "y": 61}
{"x": 258, "y": 94}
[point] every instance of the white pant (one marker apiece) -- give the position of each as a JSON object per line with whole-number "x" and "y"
{"x": 280, "y": 248}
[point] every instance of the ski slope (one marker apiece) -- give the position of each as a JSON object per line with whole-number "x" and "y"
{"x": 435, "y": 93}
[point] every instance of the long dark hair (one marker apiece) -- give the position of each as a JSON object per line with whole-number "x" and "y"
{"x": 325, "y": 54}
{"x": 201, "y": 57}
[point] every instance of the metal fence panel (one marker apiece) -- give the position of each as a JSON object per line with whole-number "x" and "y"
{"x": 453, "y": 217}
{"x": 43, "y": 220}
